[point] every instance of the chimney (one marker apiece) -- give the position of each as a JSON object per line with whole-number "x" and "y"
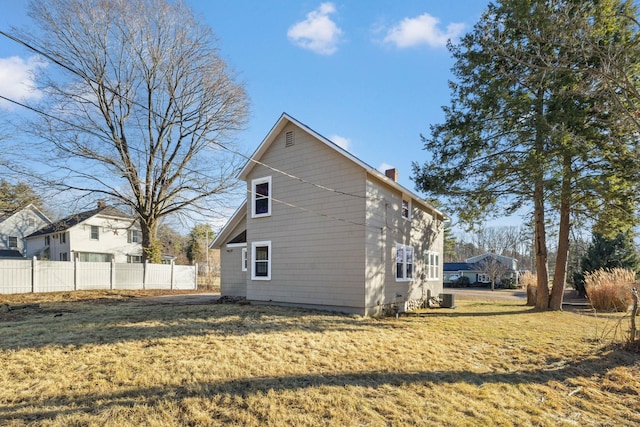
{"x": 102, "y": 204}
{"x": 392, "y": 174}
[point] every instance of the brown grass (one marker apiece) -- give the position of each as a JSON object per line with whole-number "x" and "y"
{"x": 610, "y": 290}
{"x": 485, "y": 363}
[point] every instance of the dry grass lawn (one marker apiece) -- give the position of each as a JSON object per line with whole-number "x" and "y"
{"x": 117, "y": 361}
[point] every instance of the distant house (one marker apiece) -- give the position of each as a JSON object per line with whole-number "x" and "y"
{"x": 98, "y": 235}
{"x": 15, "y": 226}
{"x": 322, "y": 229}
{"x": 475, "y": 269}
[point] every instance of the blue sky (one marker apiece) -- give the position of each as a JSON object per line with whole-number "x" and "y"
{"x": 370, "y": 75}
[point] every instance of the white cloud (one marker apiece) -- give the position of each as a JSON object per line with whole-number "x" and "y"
{"x": 423, "y": 29}
{"x": 341, "y": 142}
{"x": 318, "y": 32}
{"x": 16, "y": 80}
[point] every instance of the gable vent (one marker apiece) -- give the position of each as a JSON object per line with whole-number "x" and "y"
{"x": 290, "y": 139}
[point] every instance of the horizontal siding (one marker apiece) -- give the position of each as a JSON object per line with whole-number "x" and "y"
{"x": 423, "y": 232}
{"x": 318, "y": 243}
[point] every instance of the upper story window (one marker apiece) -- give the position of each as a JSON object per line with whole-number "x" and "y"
{"x": 95, "y": 232}
{"x": 261, "y": 197}
{"x": 404, "y": 262}
{"x": 63, "y": 238}
{"x": 134, "y": 236}
{"x": 13, "y": 242}
{"x": 47, "y": 240}
{"x": 406, "y": 209}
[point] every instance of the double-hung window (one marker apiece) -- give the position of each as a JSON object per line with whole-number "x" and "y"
{"x": 261, "y": 260}
{"x": 406, "y": 209}
{"x": 134, "y": 236}
{"x": 404, "y": 262}
{"x": 95, "y": 232}
{"x": 261, "y": 197}
{"x": 13, "y": 242}
{"x": 432, "y": 265}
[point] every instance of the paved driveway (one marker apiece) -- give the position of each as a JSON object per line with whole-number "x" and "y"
{"x": 487, "y": 294}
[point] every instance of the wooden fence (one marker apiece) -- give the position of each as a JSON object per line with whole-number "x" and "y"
{"x": 24, "y": 276}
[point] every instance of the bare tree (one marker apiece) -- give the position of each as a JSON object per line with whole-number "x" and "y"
{"x": 493, "y": 268}
{"x": 143, "y": 110}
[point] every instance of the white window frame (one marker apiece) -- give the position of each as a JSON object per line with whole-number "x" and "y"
{"x": 432, "y": 265}
{"x": 408, "y": 201}
{"x": 134, "y": 236}
{"x": 404, "y": 274}
{"x": 245, "y": 260}
{"x": 254, "y": 247}
{"x": 97, "y": 234}
{"x": 254, "y": 196}
{"x": 483, "y": 278}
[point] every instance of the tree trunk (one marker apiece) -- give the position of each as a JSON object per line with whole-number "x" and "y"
{"x": 150, "y": 250}
{"x": 562, "y": 257}
{"x": 542, "y": 293}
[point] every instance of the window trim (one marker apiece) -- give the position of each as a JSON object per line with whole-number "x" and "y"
{"x": 254, "y": 247}
{"x": 432, "y": 265}
{"x": 97, "y": 232}
{"x": 130, "y": 236}
{"x": 254, "y": 198}
{"x": 408, "y": 201}
{"x": 407, "y": 274}
{"x": 9, "y": 239}
{"x": 244, "y": 259}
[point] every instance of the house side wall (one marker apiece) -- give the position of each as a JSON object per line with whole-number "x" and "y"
{"x": 20, "y": 225}
{"x": 112, "y": 238}
{"x": 233, "y": 281}
{"x": 317, "y": 236}
{"x": 386, "y": 229}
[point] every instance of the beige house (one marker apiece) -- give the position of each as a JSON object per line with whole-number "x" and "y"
{"x": 322, "y": 229}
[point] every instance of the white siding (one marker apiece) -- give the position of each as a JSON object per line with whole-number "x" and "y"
{"x": 20, "y": 225}
{"x": 112, "y": 238}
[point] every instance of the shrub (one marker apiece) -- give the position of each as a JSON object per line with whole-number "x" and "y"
{"x": 610, "y": 290}
{"x": 463, "y": 282}
{"x": 509, "y": 283}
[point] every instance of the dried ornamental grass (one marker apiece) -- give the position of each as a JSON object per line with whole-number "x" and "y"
{"x": 610, "y": 290}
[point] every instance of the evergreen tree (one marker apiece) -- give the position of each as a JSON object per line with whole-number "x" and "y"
{"x": 530, "y": 125}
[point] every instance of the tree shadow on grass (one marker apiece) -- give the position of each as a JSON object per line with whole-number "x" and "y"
{"x": 36, "y": 409}
{"x": 63, "y": 325}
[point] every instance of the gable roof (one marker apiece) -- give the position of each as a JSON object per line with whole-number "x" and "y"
{"x": 5, "y": 215}
{"x": 231, "y": 224}
{"x": 286, "y": 119}
{"x": 459, "y": 266}
{"x": 72, "y": 220}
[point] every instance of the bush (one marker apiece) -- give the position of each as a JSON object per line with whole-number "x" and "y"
{"x": 463, "y": 282}
{"x": 610, "y": 290}
{"x": 509, "y": 283}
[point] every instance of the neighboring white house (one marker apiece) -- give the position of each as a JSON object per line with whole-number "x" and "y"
{"x": 101, "y": 234}
{"x": 322, "y": 229}
{"x": 16, "y": 226}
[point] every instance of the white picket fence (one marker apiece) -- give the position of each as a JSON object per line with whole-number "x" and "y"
{"x": 24, "y": 276}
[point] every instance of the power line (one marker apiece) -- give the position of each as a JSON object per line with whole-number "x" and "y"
{"x": 82, "y": 75}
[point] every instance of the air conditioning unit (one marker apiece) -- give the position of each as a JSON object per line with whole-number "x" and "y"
{"x": 447, "y": 300}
